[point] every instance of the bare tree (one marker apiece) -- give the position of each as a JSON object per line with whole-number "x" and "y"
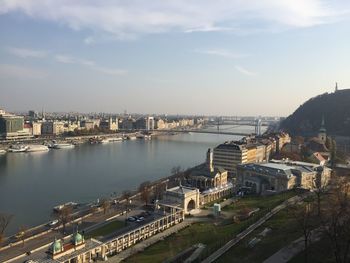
{"x": 105, "y": 204}
{"x": 158, "y": 190}
{"x": 5, "y": 220}
{"x": 22, "y": 233}
{"x": 305, "y": 217}
{"x": 335, "y": 219}
{"x": 64, "y": 216}
{"x": 145, "y": 191}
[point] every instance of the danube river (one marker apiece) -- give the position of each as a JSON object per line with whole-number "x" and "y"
{"x": 31, "y": 184}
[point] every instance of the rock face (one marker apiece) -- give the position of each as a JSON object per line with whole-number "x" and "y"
{"x": 335, "y": 107}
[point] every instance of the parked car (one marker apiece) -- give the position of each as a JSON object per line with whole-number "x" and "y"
{"x": 131, "y": 219}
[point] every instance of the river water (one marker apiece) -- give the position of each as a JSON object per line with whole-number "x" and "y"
{"x": 31, "y": 184}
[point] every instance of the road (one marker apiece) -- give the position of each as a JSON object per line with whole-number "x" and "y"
{"x": 86, "y": 225}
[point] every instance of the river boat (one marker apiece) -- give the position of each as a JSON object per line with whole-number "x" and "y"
{"x": 37, "y": 148}
{"x": 103, "y": 141}
{"x": 18, "y": 148}
{"x": 131, "y": 137}
{"x": 63, "y": 146}
{"x": 115, "y": 139}
{"x": 2, "y": 151}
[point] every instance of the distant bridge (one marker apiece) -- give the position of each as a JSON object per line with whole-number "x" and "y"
{"x": 203, "y": 131}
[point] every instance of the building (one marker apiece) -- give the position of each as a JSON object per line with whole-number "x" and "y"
{"x": 111, "y": 124}
{"x": 150, "y": 124}
{"x": 36, "y": 126}
{"x": 52, "y": 128}
{"x": 186, "y": 198}
{"x": 79, "y": 250}
{"x": 229, "y": 154}
{"x": 278, "y": 176}
{"x": 127, "y": 124}
{"x": 322, "y": 133}
{"x": 12, "y": 127}
{"x": 207, "y": 177}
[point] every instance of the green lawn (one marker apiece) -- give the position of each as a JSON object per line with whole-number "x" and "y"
{"x": 214, "y": 236}
{"x": 106, "y": 229}
{"x": 284, "y": 231}
{"x": 262, "y": 202}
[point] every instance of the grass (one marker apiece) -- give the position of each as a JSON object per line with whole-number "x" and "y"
{"x": 284, "y": 230}
{"x": 106, "y": 229}
{"x": 262, "y": 202}
{"x": 206, "y": 233}
{"x": 213, "y": 236}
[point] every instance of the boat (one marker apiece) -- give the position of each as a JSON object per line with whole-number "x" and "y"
{"x": 131, "y": 137}
{"x": 19, "y": 148}
{"x": 115, "y": 139}
{"x": 103, "y": 141}
{"x": 2, "y": 151}
{"x": 37, "y": 148}
{"x": 63, "y": 146}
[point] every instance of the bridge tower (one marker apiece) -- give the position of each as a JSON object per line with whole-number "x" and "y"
{"x": 258, "y": 127}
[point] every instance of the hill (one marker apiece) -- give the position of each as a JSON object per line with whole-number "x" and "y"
{"x": 335, "y": 107}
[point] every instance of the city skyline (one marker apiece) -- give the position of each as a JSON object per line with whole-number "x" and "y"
{"x": 173, "y": 57}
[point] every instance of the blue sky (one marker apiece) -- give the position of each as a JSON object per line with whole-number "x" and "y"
{"x": 257, "y": 57}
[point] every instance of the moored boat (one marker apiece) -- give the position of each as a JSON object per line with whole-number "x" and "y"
{"x": 63, "y": 146}
{"x": 2, "y": 151}
{"x": 37, "y": 148}
{"x": 19, "y": 148}
{"x": 115, "y": 139}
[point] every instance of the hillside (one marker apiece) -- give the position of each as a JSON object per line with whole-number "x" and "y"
{"x": 335, "y": 107}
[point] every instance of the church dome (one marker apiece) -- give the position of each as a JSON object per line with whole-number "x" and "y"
{"x": 78, "y": 238}
{"x": 56, "y": 246}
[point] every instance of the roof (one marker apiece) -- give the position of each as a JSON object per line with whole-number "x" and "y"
{"x": 204, "y": 171}
{"x": 181, "y": 189}
{"x": 278, "y": 169}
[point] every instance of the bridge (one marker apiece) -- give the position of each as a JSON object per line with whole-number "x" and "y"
{"x": 201, "y": 131}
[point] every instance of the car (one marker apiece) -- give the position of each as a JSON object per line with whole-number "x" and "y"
{"x": 140, "y": 219}
{"x": 131, "y": 219}
{"x": 53, "y": 223}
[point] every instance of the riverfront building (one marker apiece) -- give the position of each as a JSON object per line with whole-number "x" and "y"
{"x": 280, "y": 176}
{"x": 12, "y": 127}
{"x": 79, "y": 250}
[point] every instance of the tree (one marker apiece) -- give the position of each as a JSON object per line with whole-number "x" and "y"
{"x": 64, "y": 216}
{"x": 145, "y": 191}
{"x": 335, "y": 219}
{"x": 304, "y": 215}
{"x": 158, "y": 190}
{"x": 105, "y": 204}
{"x": 22, "y": 233}
{"x": 5, "y": 220}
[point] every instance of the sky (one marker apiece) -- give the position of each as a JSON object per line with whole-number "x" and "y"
{"x": 205, "y": 57}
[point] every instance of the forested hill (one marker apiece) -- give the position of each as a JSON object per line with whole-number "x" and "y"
{"x": 335, "y": 107}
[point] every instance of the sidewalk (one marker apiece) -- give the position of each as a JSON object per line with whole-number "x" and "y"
{"x": 288, "y": 252}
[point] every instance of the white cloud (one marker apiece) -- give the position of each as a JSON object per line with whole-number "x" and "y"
{"x": 90, "y": 64}
{"x": 222, "y": 53}
{"x": 244, "y": 71}
{"x": 128, "y": 19}
{"x": 12, "y": 71}
{"x": 26, "y": 53}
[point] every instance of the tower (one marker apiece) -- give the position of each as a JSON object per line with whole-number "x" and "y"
{"x": 322, "y": 133}
{"x": 336, "y": 87}
{"x": 209, "y": 160}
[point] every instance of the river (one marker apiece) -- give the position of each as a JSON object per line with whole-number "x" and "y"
{"x": 31, "y": 184}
